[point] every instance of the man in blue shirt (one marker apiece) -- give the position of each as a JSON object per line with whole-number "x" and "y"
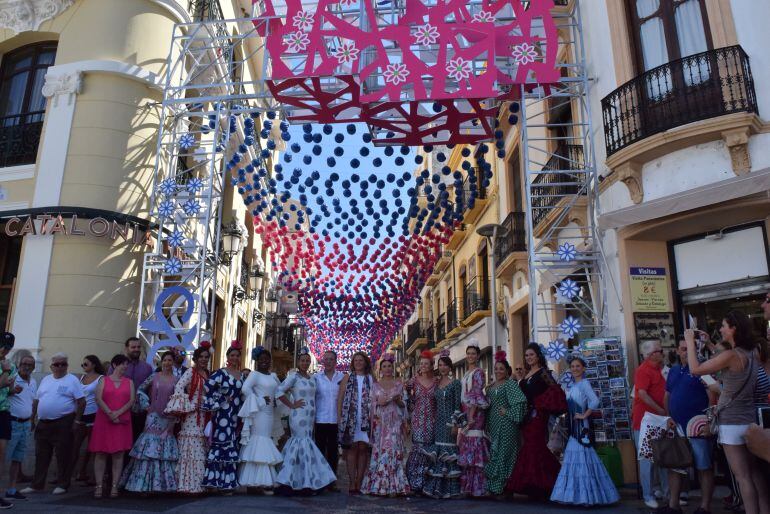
{"x": 686, "y": 397}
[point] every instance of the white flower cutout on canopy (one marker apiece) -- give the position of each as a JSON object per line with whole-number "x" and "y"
{"x": 483, "y": 17}
{"x": 297, "y": 42}
{"x": 346, "y": 52}
{"x": 396, "y": 73}
{"x": 194, "y": 185}
{"x": 191, "y": 207}
{"x": 459, "y": 69}
{"x": 167, "y": 187}
{"x": 303, "y": 20}
{"x": 524, "y": 53}
{"x": 347, "y": 3}
{"x": 426, "y": 34}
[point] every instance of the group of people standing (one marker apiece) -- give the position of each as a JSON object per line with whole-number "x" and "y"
{"x": 189, "y": 430}
{"x": 468, "y": 439}
{"x": 712, "y": 394}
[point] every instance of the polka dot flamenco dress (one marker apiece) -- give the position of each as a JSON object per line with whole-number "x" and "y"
{"x": 223, "y": 400}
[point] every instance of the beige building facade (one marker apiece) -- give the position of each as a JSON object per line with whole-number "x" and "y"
{"x": 82, "y": 83}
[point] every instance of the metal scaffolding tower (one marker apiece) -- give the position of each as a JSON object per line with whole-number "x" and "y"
{"x": 205, "y": 104}
{"x": 562, "y": 193}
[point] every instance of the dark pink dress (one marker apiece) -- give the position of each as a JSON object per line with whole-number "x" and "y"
{"x": 106, "y": 436}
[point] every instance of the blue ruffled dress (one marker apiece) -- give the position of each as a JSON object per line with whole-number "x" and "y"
{"x": 583, "y": 479}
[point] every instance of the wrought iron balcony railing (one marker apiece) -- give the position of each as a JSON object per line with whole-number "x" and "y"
{"x": 556, "y": 182}
{"x": 19, "y": 138}
{"x": 516, "y": 238}
{"x": 415, "y": 331}
{"x": 440, "y": 327}
{"x": 205, "y": 10}
{"x": 475, "y": 297}
{"x": 452, "y": 316}
{"x": 284, "y": 332}
{"x": 694, "y": 88}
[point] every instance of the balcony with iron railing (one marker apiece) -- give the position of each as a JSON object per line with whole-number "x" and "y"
{"x": 417, "y": 334}
{"x": 694, "y": 88}
{"x": 515, "y": 240}
{"x": 441, "y": 327}
{"x": 475, "y": 300}
{"x": 430, "y": 335}
{"x": 20, "y": 138}
{"x": 205, "y": 10}
{"x": 555, "y": 182}
{"x": 452, "y": 316}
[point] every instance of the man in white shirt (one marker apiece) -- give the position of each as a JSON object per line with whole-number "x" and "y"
{"x": 326, "y": 394}
{"x": 58, "y": 405}
{"x": 22, "y": 396}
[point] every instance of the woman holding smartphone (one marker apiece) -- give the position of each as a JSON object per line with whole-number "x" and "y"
{"x": 735, "y": 410}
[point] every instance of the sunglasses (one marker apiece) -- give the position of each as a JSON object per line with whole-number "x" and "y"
{"x": 84, "y": 365}
{"x": 59, "y": 364}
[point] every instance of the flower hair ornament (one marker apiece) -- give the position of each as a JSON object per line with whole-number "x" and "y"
{"x": 444, "y": 353}
{"x": 256, "y": 352}
{"x": 500, "y": 356}
{"x": 426, "y": 354}
{"x": 206, "y": 345}
{"x": 388, "y": 357}
{"x": 236, "y": 345}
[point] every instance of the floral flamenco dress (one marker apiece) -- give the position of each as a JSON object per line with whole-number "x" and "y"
{"x": 422, "y": 406}
{"x": 442, "y": 479}
{"x": 386, "y": 475}
{"x": 154, "y": 456}
{"x": 223, "y": 400}
{"x": 473, "y": 444}
{"x": 507, "y": 408}
{"x": 187, "y": 402}
{"x": 583, "y": 479}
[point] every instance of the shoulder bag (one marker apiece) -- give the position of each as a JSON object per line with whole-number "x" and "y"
{"x": 712, "y": 413}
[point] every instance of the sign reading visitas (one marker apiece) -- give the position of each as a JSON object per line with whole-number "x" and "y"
{"x": 649, "y": 290}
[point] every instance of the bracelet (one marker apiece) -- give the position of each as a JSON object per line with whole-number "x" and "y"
{"x": 78, "y": 422}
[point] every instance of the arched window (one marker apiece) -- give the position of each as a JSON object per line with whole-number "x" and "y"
{"x": 22, "y": 104}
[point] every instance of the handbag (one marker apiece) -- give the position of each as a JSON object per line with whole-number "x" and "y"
{"x": 557, "y": 439}
{"x": 672, "y": 452}
{"x": 712, "y": 412}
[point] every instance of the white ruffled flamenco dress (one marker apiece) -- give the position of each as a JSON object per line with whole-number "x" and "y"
{"x": 259, "y": 456}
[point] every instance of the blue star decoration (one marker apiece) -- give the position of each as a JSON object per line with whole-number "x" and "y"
{"x": 173, "y": 266}
{"x": 187, "y": 141}
{"x": 167, "y": 187}
{"x": 566, "y": 379}
{"x": 166, "y": 208}
{"x": 570, "y": 326}
{"x": 176, "y": 239}
{"x": 567, "y": 252}
{"x": 191, "y": 207}
{"x": 194, "y": 185}
{"x": 568, "y": 289}
{"x": 556, "y": 350}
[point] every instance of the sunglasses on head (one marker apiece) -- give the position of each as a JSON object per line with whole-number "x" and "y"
{"x": 59, "y": 364}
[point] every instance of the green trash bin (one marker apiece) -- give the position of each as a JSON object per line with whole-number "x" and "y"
{"x": 610, "y": 457}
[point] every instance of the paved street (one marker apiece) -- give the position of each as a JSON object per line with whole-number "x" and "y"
{"x": 79, "y": 500}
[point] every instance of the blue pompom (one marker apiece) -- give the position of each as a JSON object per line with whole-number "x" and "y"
{"x": 331, "y": 162}
{"x": 377, "y": 162}
{"x": 354, "y": 163}
{"x": 327, "y": 129}
{"x": 367, "y": 137}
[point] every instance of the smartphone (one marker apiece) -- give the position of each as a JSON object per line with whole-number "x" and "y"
{"x": 763, "y": 417}
{"x": 708, "y": 380}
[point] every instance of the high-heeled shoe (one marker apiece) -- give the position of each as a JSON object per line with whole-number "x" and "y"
{"x": 114, "y": 493}
{"x": 98, "y": 492}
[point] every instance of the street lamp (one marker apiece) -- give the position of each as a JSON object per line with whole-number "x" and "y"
{"x": 492, "y": 231}
{"x": 232, "y": 238}
{"x": 256, "y": 276}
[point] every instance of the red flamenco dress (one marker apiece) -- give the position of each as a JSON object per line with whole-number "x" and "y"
{"x": 537, "y": 468}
